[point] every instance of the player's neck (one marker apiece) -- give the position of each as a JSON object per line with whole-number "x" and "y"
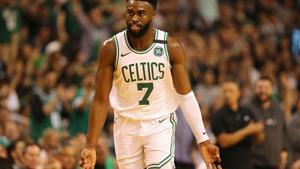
{"x": 144, "y": 42}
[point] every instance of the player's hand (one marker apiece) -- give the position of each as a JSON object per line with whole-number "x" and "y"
{"x": 88, "y": 158}
{"x": 210, "y": 154}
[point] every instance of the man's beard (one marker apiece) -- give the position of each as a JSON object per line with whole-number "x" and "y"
{"x": 262, "y": 98}
{"x": 140, "y": 33}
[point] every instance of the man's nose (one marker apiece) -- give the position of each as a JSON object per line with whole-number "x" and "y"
{"x": 135, "y": 19}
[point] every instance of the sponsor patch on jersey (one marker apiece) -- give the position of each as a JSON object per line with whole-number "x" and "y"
{"x": 158, "y": 51}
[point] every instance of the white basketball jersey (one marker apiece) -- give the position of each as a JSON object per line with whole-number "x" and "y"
{"x": 142, "y": 86}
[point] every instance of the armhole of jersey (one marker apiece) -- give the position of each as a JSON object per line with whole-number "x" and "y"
{"x": 166, "y": 47}
{"x": 117, "y": 51}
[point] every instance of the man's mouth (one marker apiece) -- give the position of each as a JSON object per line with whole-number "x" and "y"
{"x": 135, "y": 27}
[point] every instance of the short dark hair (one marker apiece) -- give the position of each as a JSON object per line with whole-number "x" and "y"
{"x": 267, "y": 78}
{"x": 152, "y": 2}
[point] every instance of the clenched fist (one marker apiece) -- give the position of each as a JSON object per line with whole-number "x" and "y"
{"x": 88, "y": 158}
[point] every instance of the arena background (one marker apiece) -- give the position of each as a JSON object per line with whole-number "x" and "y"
{"x": 48, "y": 59}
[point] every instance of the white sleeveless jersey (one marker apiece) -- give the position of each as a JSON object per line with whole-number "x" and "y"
{"x": 142, "y": 86}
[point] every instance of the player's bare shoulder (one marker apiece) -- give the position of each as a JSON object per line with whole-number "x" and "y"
{"x": 109, "y": 47}
{"x": 107, "y": 52}
{"x": 173, "y": 43}
{"x": 109, "y": 43}
{"x": 175, "y": 49}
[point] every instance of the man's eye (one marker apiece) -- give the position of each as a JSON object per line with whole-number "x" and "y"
{"x": 141, "y": 14}
{"x": 130, "y": 13}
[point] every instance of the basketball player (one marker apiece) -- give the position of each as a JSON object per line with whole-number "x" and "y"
{"x": 142, "y": 72}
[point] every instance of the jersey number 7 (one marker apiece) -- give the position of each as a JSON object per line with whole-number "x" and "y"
{"x": 149, "y": 87}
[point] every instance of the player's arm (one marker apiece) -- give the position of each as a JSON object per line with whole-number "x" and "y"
{"x": 189, "y": 104}
{"x": 100, "y": 104}
{"x": 186, "y": 97}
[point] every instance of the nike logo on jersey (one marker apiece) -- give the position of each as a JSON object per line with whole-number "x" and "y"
{"x": 161, "y": 120}
{"x": 122, "y": 55}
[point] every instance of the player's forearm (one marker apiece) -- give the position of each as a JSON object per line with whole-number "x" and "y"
{"x": 226, "y": 140}
{"x": 97, "y": 117}
{"x": 193, "y": 116}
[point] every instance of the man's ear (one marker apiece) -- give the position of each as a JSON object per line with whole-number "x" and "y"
{"x": 154, "y": 13}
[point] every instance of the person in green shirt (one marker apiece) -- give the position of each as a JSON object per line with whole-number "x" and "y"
{"x": 79, "y": 116}
{"x": 10, "y": 25}
{"x": 44, "y": 104}
{"x": 10, "y": 22}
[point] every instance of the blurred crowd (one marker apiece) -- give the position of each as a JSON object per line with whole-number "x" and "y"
{"x": 239, "y": 58}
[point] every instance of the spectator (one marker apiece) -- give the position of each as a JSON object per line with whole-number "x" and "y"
{"x": 93, "y": 26}
{"x": 12, "y": 131}
{"x": 15, "y": 154}
{"x": 9, "y": 97}
{"x": 43, "y": 104}
{"x": 55, "y": 60}
{"x": 268, "y": 154}
{"x": 10, "y": 25}
{"x": 208, "y": 91}
{"x": 51, "y": 141}
{"x": 67, "y": 157}
{"x": 24, "y": 71}
{"x": 68, "y": 28}
{"x": 66, "y": 100}
{"x": 31, "y": 156}
{"x": 79, "y": 115}
{"x": 235, "y": 127}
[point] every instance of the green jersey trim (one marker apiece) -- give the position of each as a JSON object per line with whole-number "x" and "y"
{"x": 117, "y": 52}
{"x": 170, "y": 156}
{"x": 136, "y": 51}
{"x": 166, "y": 46}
